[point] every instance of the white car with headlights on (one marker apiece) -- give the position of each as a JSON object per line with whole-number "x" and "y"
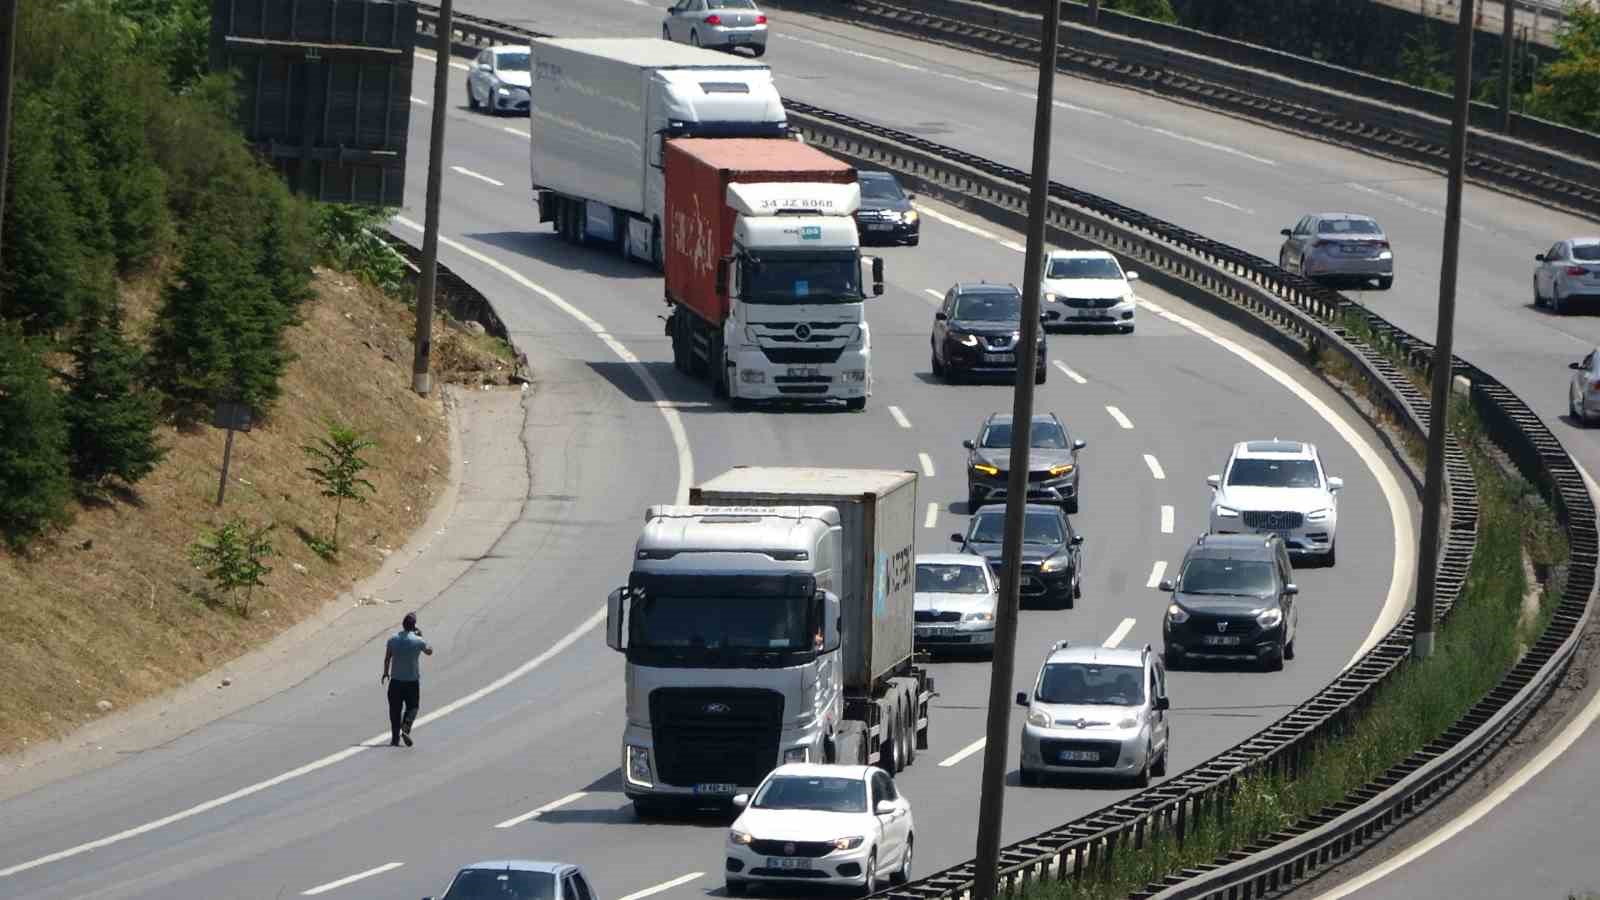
{"x": 1087, "y": 289}
{"x": 844, "y": 826}
{"x": 1278, "y": 487}
{"x": 956, "y": 599}
{"x": 1096, "y": 711}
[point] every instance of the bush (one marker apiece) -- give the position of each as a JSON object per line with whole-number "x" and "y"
{"x": 339, "y": 469}
{"x": 34, "y": 486}
{"x": 1159, "y": 10}
{"x": 346, "y": 241}
{"x": 111, "y": 418}
{"x": 1569, "y": 88}
{"x": 232, "y": 559}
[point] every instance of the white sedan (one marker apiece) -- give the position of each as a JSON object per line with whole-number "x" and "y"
{"x": 814, "y": 824}
{"x": 1569, "y": 272}
{"x": 1088, "y": 289}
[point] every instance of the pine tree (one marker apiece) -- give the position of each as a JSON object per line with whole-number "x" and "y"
{"x": 42, "y": 268}
{"x": 111, "y": 418}
{"x": 34, "y": 485}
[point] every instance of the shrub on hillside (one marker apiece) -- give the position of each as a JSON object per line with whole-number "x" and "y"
{"x": 34, "y": 485}
{"x": 1569, "y": 88}
{"x": 111, "y": 418}
{"x": 346, "y": 240}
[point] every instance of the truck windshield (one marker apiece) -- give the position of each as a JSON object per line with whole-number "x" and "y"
{"x": 812, "y": 278}
{"x": 739, "y": 624}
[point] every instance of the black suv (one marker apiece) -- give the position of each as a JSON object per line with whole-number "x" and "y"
{"x": 976, "y": 332}
{"x": 1052, "y": 551}
{"x": 1053, "y": 472}
{"x": 1234, "y": 599}
{"x": 885, "y": 215}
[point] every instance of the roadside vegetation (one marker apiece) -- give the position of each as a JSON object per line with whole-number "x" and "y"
{"x": 151, "y": 267}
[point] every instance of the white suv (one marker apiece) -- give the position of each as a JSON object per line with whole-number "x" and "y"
{"x": 1096, "y": 711}
{"x": 1278, "y": 487}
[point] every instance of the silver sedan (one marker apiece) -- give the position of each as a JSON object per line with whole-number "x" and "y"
{"x": 1583, "y": 392}
{"x": 1338, "y": 248}
{"x": 717, "y": 23}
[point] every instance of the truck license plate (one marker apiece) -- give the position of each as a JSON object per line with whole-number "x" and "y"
{"x": 1000, "y": 357}
{"x": 1080, "y": 756}
{"x": 714, "y": 790}
{"x": 786, "y": 862}
{"x": 804, "y": 372}
{"x": 1222, "y": 640}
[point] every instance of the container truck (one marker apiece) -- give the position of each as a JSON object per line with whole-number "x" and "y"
{"x": 601, "y": 111}
{"x": 769, "y": 621}
{"x": 764, "y": 273}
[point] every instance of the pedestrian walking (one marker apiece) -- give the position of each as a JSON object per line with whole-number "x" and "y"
{"x": 403, "y": 659}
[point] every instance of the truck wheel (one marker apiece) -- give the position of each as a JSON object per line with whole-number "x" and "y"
{"x": 911, "y": 730}
{"x": 1028, "y": 777}
{"x": 855, "y": 404}
{"x": 655, "y": 244}
{"x": 886, "y": 748}
{"x": 645, "y": 809}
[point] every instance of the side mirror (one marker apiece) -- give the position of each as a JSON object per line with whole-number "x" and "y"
{"x": 1291, "y": 589}
{"x": 827, "y": 606}
{"x": 1577, "y": 366}
{"x": 1335, "y": 484}
{"x": 1077, "y": 539}
{"x": 877, "y": 276}
{"x": 1165, "y": 585}
{"x": 1079, "y": 444}
{"x": 616, "y": 619}
{"x": 958, "y": 538}
{"x": 971, "y": 446}
{"x": 1539, "y": 257}
{"x": 1131, "y": 276}
{"x": 740, "y": 801}
{"x": 722, "y": 275}
{"x": 1163, "y": 704}
{"x": 1022, "y": 698}
{"x": 1286, "y": 232}
{"x": 1214, "y": 481}
{"x": 877, "y": 289}
{"x": 887, "y": 808}
{"x": 940, "y": 316}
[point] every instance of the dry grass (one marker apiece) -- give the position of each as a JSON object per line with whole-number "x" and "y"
{"x": 110, "y": 608}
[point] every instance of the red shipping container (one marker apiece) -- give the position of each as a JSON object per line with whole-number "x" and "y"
{"x": 699, "y": 223}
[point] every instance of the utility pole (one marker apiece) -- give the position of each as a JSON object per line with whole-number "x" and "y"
{"x": 421, "y": 378}
{"x": 1094, "y": 13}
{"x": 1508, "y": 45}
{"x": 991, "y": 805}
{"x": 8, "y": 48}
{"x": 1433, "y": 481}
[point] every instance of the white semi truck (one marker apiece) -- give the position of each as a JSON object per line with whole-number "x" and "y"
{"x": 770, "y": 621}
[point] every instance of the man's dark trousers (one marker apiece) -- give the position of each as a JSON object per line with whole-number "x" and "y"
{"x": 403, "y": 699}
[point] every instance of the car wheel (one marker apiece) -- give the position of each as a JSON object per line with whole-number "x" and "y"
{"x": 694, "y": 38}
{"x": 1557, "y": 306}
{"x": 472, "y": 99}
{"x": 1577, "y": 412}
{"x": 913, "y": 241}
{"x": 1028, "y": 777}
{"x": 933, "y": 363}
{"x": 1077, "y": 588}
{"x": 869, "y": 884}
{"x": 1174, "y": 657}
{"x": 1332, "y": 556}
{"x": 1041, "y": 375}
{"x": 904, "y": 875}
{"x": 972, "y": 501}
{"x": 758, "y": 50}
{"x": 735, "y": 888}
{"x": 1160, "y": 768}
{"x": 1385, "y": 283}
{"x": 1538, "y": 301}
{"x": 1142, "y": 780}
{"x": 666, "y": 33}
{"x": 1273, "y": 661}
{"x": 1127, "y": 329}
{"x": 1288, "y": 650}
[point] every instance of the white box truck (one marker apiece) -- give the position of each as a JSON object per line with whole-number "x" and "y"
{"x": 601, "y": 110}
{"x": 769, "y": 622}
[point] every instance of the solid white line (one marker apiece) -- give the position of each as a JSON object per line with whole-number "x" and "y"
{"x": 1100, "y": 165}
{"x": 419, "y": 101}
{"x": 516, "y": 131}
{"x": 957, "y": 223}
{"x": 1069, "y": 373}
{"x": 663, "y": 886}
{"x": 471, "y": 174}
{"x": 1157, "y": 572}
{"x": 899, "y": 417}
{"x": 1166, "y": 519}
{"x": 554, "y": 804}
{"x": 927, "y": 464}
{"x": 1121, "y": 419}
{"x": 932, "y": 518}
{"x": 1119, "y": 634}
{"x": 1013, "y": 245}
{"x": 938, "y": 296}
{"x": 1155, "y": 467}
{"x": 964, "y": 752}
{"x": 453, "y": 64}
{"x": 324, "y": 888}
{"x": 1228, "y": 205}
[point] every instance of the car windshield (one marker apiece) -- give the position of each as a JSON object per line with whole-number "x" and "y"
{"x": 513, "y": 62}
{"x": 1042, "y": 436}
{"x": 877, "y": 187}
{"x": 1348, "y": 226}
{"x": 1084, "y": 267}
{"x": 1586, "y": 252}
{"x": 710, "y": 623}
{"x": 808, "y": 278}
{"x": 989, "y": 306}
{"x": 729, "y": 4}
{"x": 823, "y": 794}
{"x": 1208, "y": 575}
{"x": 953, "y": 578}
{"x": 1285, "y": 473}
{"x": 1087, "y": 683}
{"x": 501, "y": 884}
{"x": 1037, "y": 528}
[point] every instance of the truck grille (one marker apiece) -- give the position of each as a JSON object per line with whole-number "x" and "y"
{"x": 812, "y": 849}
{"x": 715, "y": 735}
{"x": 802, "y": 356}
{"x": 1275, "y": 519}
{"x": 924, "y": 615}
{"x": 1052, "y": 748}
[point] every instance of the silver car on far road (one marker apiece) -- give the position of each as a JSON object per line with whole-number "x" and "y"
{"x": 717, "y": 23}
{"x": 499, "y": 80}
{"x": 1568, "y": 273}
{"x": 1338, "y": 248}
{"x": 1583, "y": 392}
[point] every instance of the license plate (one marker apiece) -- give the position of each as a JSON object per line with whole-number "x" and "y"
{"x": 1088, "y": 313}
{"x": 1080, "y": 756}
{"x": 1222, "y": 640}
{"x": 787, "y": 862}
{"x": 736, "y": 38}
{"x": 804, "y": 372}
{"x": 1000, "y": 357}
{"x": 1354, "y": 250}
{"x": 937, "y": 630}
{"x": 880, "y": 227}
{"x": 714, "y": 789}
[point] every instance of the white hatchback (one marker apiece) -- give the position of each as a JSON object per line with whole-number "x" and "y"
{"x": 846, "y": 826}
{"x": 1278, "y": 487}
{"x": 1087, "y": 289}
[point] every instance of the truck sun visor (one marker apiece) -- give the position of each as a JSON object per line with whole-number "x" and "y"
{"x": 724, "y": 87}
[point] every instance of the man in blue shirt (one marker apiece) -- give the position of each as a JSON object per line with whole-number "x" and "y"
{"x": 404, "y": 654}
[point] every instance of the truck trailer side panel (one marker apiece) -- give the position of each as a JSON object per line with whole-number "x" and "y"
{"x": 587, "y": 125}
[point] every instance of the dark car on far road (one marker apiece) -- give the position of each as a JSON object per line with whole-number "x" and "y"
{"x": 1234, "y": 599}
{"x": 1052, "y": 551}
{"x": 885, "y": 215}
{"x": 976, "y": 332}
{"x": 1053, "y": 472}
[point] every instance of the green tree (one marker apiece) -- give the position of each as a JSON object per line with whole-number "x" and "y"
{"x": 42, "y": 267}
{"x": 34, "y": 484}
{"x": 346, "y": 241}
{"x": 1159, "y": 10}
{"x": 339, "y": 467}
{"x": 1422, "y": 63}
{"x": 111, "y": 418}
{"x": 1569, "y": 88}
{"x": 173, "y": 34}
{"x": 232, "y": 558}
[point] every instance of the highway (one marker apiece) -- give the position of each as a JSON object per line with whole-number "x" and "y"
{"x": 609, "y": 436}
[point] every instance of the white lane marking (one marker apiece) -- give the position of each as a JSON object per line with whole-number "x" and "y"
{"x": 324, "y": 888}
{"x": 433, "y": 58}
{"x": 957, "y": 223}
{"x": 554, "y": 804}
{"x": 1558, "y": 745}
{"x": 663, "y": 886}
{"x": 964, "y": 752}
{"x": 1408, "y": 203}
{"x": 1403, "y": 570}
{"x": 1209, "y": 145}
{"x": 1232, "y": 206}
{"x": 419, "y": 101}
{"x": 899, "y": 417}
{"x": 1069, "y": 373}
{"x": 1013, "y": 245}
{"x": 932, "y": 518}
{"x": 1157, "y": 572}
{"x": 1119, "y": 634}
{"x": 516, "y": 131}
{"x": 1100, "y": 165}
{"x": 927, "y": 464}
{"x": 1118, "y": 415}
{"x": 459, "y": 170}
{"x": 938, "y": 296}
{"x": 1167, "y": 514}
{"x": 1155, "y": 467}
{"x": 680, "y": 437}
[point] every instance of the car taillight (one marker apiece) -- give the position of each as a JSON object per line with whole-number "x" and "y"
{"x": 1594, "y": 386}
{"x": 761, "y": 20}
{"x": 1577, "y": 270}
{"x": 713, "y": 19}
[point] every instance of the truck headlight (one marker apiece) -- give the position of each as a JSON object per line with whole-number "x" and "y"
{"x": 1269, "y": 618}
{"x": 639, "y": 766}
{"x": 1177, "y": 614}
{"x": 742, "y": 838}
{"x": 796, "y": 755}
{"x": 752, "y": 376}
{"x": 1039, "y": 717}
{"x": 1226, "y": 512}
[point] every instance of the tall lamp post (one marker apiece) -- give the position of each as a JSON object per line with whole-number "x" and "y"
{"x": 421, "y": 377}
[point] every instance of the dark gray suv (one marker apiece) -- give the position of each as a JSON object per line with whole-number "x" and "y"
{"x": 1234, "y": 599}
{"x": 1053, "y": 471}
{"x": 976, "y": 333}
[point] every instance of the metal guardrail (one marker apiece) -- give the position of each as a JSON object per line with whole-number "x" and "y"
{"x": 1568, "y": 181}
{"x": 1301, "y": 314}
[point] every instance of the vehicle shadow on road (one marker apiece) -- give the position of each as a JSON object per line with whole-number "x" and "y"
{"x": 547, "y": 247}
{"x": 691, "y": 395}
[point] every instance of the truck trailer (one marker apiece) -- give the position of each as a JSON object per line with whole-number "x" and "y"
{"x": 768, "y": 622}
{"x": 764, "y": 273}
{"x": 601, "y": 110}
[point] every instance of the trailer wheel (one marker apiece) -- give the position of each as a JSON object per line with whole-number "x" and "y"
{"x": 680, "y": 349}
{"x": 655, "y": 243}
{"x": 911, "y": 728}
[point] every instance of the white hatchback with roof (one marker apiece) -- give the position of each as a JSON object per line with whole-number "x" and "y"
{"x": 1097, "y": 711}
{"x": 1278, "y": 487}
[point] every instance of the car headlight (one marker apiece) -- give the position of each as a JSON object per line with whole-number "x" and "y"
{"x": 1129, "y": 722}
{"x": 985, "y": 469}
{"x": 639, "y": 766}
{"x": 1039, "y": 717}
{"x": 504, "y": 92}
{"x": 1063, "y": 469}
{"x": 848, "y": 843}
{"x": 1226, "y": 512}
{"x": 742, "y": 838}
{"x": 1177, "y": 614}
{"x": 1269, "y": 618}
{"x": 797, "y": 755}
{"x": 1049, "y": 297}
{"x": 978, "y": 617}
{"x": 1055, "y": 564}
{"x": 910, "y": 217}
{"x": 965, "y": 340}
{"x": 1317, "y": 515}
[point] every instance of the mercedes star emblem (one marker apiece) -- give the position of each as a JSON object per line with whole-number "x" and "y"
{"x": 788, "y": 849}
{"x": 803, "y": 331}
{"x": 1222, "y": 627}
{"x": 717, "y": 708}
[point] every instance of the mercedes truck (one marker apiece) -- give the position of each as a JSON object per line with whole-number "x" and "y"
{"x": 768, "y": 622}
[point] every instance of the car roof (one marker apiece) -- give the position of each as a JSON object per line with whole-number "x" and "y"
{"x": 1275, "y": 449}
{"x": 1081, "y": 254}
{"x": 1362, "y": 217}
{"x": 1086, "y": 652}
{"x": 1235, "y": 546}
{"x": 1003, "y": 418}
{"x": 986, "y": 287}
{"x": 511, "y": 48}
{"x": 1583, "y": 241}
{"x": 522, "y": 865}
{"x": 952, "y": 559}
{"x": 828, "y": 770}
{"x": 874, "y": 173}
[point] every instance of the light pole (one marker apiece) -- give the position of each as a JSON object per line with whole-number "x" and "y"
{"x": 991, "y": 805}
{"x": 1433, "y": 481}
{"x": 1507, "y": 47}
{"x": 421, "y": 378}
